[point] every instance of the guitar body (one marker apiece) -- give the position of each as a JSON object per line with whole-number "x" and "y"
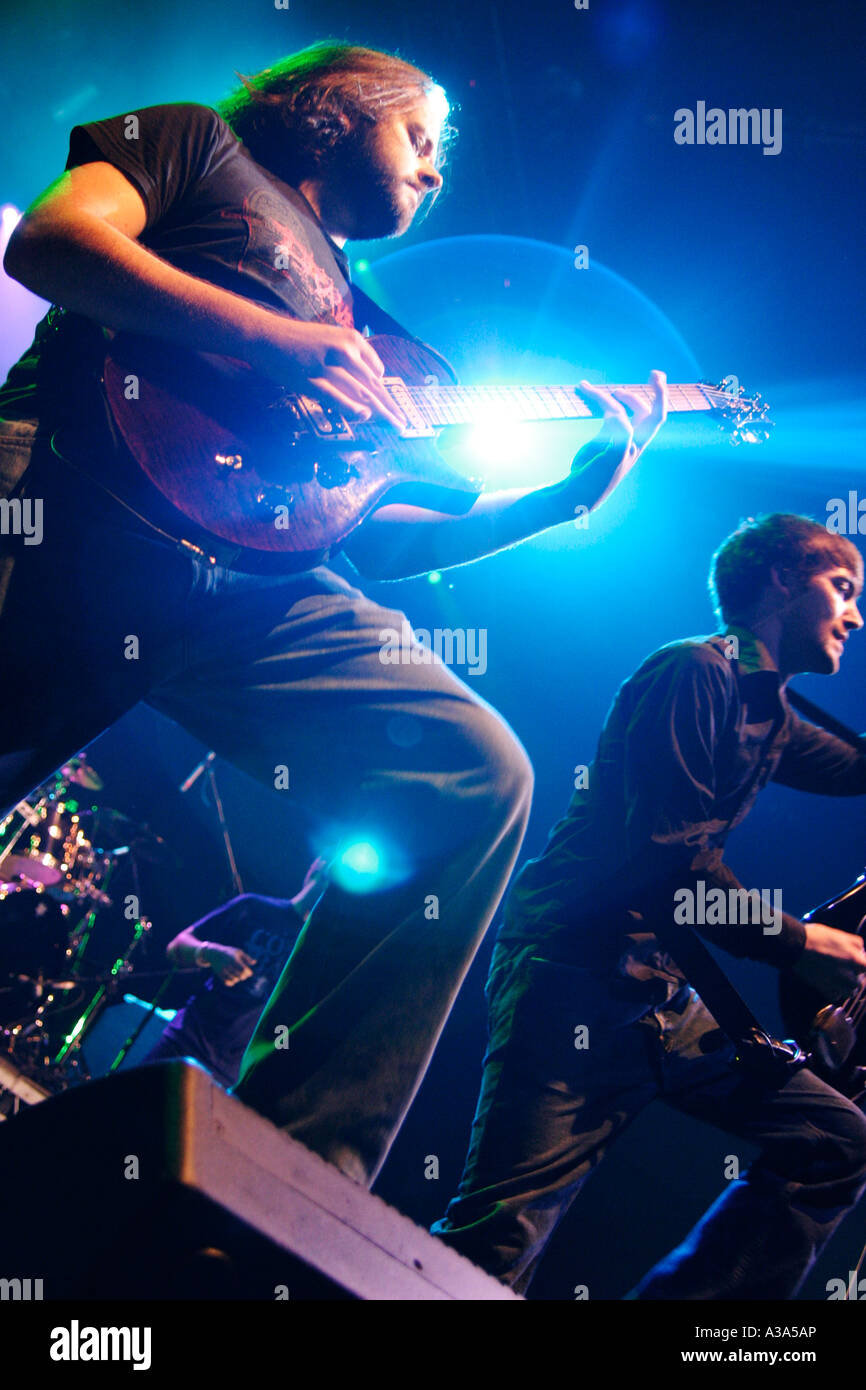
{"x": 278, "y": 479}
{"x": 254, "y": 467}
{"x": 834, "y": 1034}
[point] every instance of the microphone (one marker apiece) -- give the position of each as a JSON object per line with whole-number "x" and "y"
{"x": 197, "y": 772}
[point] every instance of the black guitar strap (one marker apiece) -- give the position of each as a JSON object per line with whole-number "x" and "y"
{"x": 702, "y": 970}
{"x": 369, "y": 314}
{"x": 773, "y": 1061}
{"x": 374, "y": 317}
{"x": 816, "y": 715}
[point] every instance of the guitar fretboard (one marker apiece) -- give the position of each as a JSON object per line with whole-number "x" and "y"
{"x": 464, "y": 405}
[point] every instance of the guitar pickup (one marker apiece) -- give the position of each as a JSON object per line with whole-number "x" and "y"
{"x": 417, "y": 428}
{"x": 328, "y": 423}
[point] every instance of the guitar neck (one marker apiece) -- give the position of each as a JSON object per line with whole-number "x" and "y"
{"x": 441, "y": 405}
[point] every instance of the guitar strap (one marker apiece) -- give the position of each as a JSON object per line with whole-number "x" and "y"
{"x": 770, "y": 1059}
{"x": 371, "y": 314}
{"x": 367, "y": 312}
{"x": 702, "y": 970}
{"x": 820, "y": 716}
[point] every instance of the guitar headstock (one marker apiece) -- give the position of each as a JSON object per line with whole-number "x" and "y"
{"x": 744, "y": 418}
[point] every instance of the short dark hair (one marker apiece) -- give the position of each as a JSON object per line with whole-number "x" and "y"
{"x": 741, "y": 566}
{"x": 293, "y": 115}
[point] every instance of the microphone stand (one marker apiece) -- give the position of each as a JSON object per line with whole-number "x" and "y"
{"x": 237, "y": 883}
{"x": 206, "y": 767}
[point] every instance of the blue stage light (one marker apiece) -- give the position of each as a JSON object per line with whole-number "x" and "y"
{"x": 512, "y": 311}
{"x": 362, "y": 858}
{"x": 358, "y": 867}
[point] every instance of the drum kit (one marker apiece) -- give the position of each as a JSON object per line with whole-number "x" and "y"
{"x": 58, "y": 856}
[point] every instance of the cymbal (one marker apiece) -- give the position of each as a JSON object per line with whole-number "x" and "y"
{"x": 79, "y": 770}
{"x": 150, "y": 846}
{"x": 105, "y": 816}
{"x": 111, "y": 828}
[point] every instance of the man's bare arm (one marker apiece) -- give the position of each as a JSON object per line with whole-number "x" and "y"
{"x": 77, "y": 247}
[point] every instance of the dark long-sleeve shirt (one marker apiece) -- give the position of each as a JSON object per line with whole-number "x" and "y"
{"x": 690, "y": 740}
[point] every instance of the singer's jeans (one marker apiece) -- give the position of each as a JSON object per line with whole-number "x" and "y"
{"x": 284, "y": 678}
{"x": 553, "y": 1100}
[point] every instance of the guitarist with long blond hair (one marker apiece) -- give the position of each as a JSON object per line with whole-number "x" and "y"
{"x": 222, "y": 232}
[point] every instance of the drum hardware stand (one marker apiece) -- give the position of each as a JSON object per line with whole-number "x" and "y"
{"x": 79, "y": 937}
{"x": 152, "y": 1007}
{"x": 85, "y": 1020}
{"x": 107, "y": 985}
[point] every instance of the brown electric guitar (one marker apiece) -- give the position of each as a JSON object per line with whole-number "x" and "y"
{"x": 834, "y": 1034}
{"x": 285, "y": 478}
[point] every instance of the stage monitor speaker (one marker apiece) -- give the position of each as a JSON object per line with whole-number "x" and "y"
{"x": 154, "y": 1183}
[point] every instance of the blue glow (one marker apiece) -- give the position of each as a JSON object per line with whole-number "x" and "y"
{"x": 359, "y": 867}
{"x": 552, "y": 324}
{"x": 434, "y": 577}
{"x": 500, "y": 447}
{"x": 361, "y": 859}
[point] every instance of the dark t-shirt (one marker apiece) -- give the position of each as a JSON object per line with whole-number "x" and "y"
{"x": 218, "y": 1020}
{"x": 212, "y": 212}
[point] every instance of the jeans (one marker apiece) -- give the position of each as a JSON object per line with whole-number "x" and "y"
{"x": 574, "y": 1055}
{"x": 282, "y": 673}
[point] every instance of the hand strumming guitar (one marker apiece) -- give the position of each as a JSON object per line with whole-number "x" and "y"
{"x": 832, "y": 962}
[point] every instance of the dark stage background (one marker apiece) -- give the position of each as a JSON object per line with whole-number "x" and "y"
{"x": 703, "y": 261}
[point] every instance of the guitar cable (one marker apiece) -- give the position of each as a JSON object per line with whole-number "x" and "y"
{"x": 178, "y": 542}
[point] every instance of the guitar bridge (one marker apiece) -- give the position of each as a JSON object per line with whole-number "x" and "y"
{"x": 833, "y": 1036}
{"x": 325, "y": 421}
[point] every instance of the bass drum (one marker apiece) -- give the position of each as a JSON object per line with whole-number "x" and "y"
{"x": 33, "y": 941}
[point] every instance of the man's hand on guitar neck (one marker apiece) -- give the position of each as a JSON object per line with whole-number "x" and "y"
{"x": 603, "y": 463}
{"x": 400, "y": 540}
{"x": 832, "y": 961}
